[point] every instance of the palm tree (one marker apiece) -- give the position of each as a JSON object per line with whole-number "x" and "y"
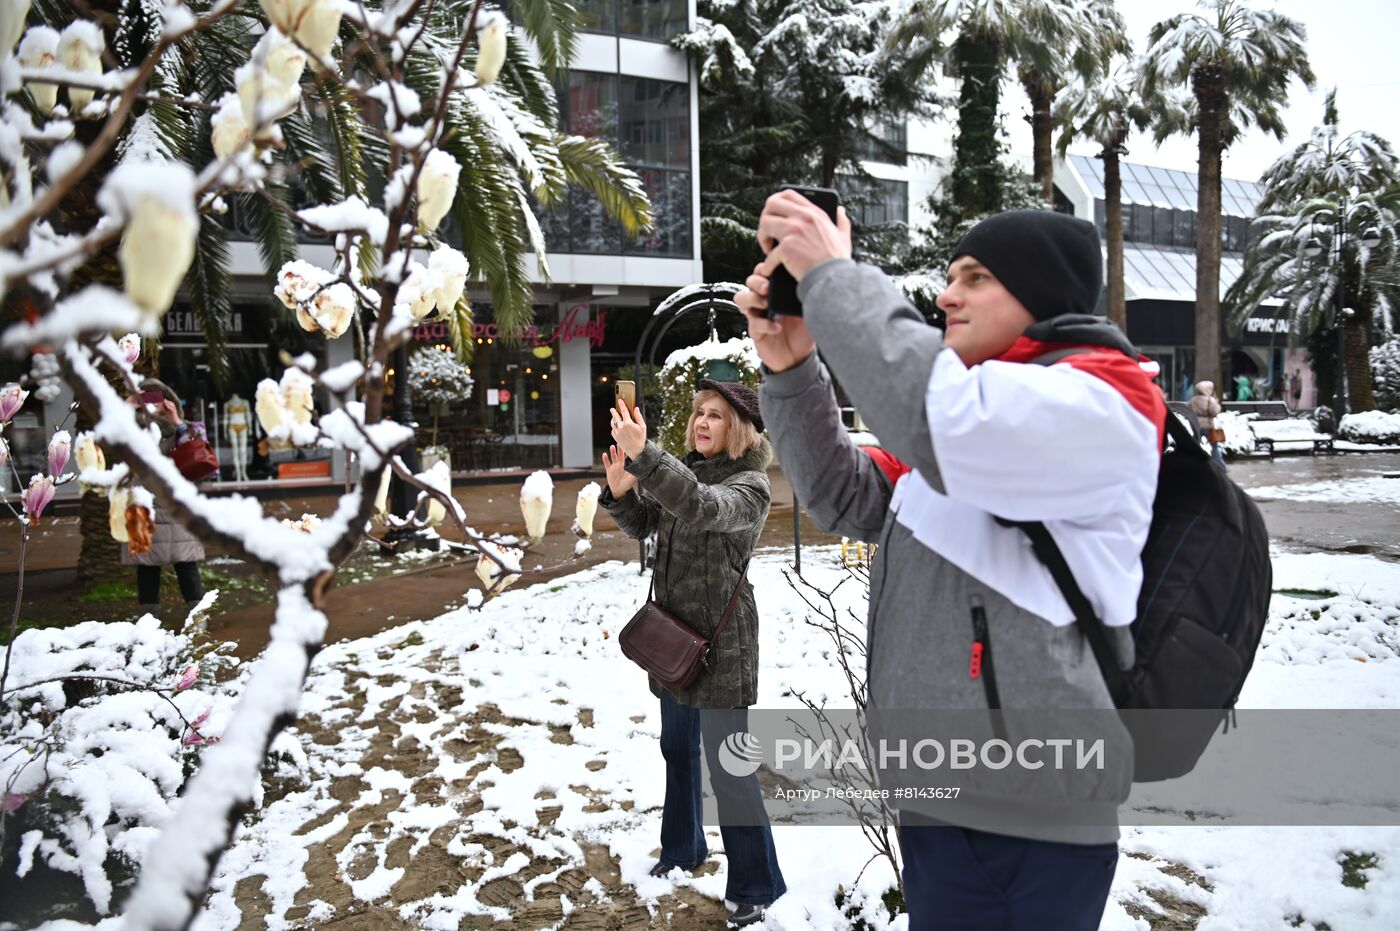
{"x": 1104, "y": 111}
{"x": 1096, "y": 35}
{"x": 1352, "y": 182}
{"x": 1238, "y": 63}
{"x": 1049, "y": 40}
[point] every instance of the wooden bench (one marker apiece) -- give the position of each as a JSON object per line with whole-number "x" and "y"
{"x": 1262, "y": 410}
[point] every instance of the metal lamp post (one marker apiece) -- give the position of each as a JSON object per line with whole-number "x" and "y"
{"x": 1314, "y": 248}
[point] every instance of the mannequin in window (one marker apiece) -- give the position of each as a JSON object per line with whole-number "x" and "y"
{"x": 237, "y": 425}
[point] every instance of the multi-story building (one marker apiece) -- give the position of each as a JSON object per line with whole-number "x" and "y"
{"x": 1159, "y": 270}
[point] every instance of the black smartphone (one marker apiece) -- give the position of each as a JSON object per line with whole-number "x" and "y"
{"x": 782, "y": 287}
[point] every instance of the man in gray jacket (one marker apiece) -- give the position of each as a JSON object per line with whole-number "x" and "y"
{"x": 973, "y": 438}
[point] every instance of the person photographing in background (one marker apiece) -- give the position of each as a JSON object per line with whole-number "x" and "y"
{"x": 971, "y": 433}
{"x": 707, "y": 510}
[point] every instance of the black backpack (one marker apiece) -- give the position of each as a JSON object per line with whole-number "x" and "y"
{"x": 1205, "y": 594}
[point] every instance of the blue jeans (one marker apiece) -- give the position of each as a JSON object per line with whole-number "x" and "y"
{"x": 960, "y": 879}
{"x": 754, "y": 876}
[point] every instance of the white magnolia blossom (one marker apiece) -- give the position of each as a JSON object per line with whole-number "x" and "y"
{"x": 585, "y": 508}
{"x": 298, "y": 395}
{"x": 308, "y": 523}
{"x": 80, "y": 51}
{"x": 487, "y": 569}
{"x": 39, "y": 50}
{"x": 447, "y": 274}
{"x": 280, "y": 57}
{"x": 231, "y": 133}
{"x": 298, "y": 281}
{"x": 319, "y": 26}
{"x": 157, "y": 201}
{"x": 415, "y": 296}
{"x": 381, "y": 497}
{"x": 439, "y": 477}
{"x": 314, "y": 23}
{"x": 271, "y": 409}
{"x": 437, "y": 186}
{"x": 285, "y": 409}
{"x": 269, "y": 85}
{"x": 536, "y": 501}
{"x": 117, "y": 500}
{"x": 333, "y": 309}
{"x": 490, "y": 47}
{"x": 87, "y": 454}
{"x": 13, "y": 13}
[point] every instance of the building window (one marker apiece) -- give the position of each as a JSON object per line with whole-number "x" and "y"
{"x": 875, "y": 202}
{"x": 648, "y": 122}
{"x": 895, "y": 139}
{"x": 655, "y": 20}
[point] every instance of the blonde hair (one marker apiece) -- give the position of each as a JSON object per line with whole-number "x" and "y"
{"x": 742, "y": 434}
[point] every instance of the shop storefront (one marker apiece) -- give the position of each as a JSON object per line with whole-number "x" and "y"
{"x": 1255, "y": 363}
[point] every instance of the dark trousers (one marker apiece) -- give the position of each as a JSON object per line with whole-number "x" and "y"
{"x": 959, "y": 879}
{"x": 754, "y": 877}
{"x": 186, "y": 573}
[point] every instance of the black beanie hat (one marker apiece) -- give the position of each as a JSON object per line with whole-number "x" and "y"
{"x": 740, "y": 397}
{"x": 1050, "y": 261}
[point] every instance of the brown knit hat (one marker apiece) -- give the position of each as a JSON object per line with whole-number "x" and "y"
{"x": 740, "y": 397}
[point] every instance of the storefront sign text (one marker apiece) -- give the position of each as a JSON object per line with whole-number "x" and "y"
{"x": 567, "y": 330}
{"x": 1266, "y": 325}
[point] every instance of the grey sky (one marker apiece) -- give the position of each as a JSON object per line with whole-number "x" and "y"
{"x": 1351, "y": 44}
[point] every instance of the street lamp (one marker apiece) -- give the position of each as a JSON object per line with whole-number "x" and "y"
{"x": 1314, "y": 248}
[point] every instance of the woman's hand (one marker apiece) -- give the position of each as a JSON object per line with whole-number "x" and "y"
{"x": 620, "y": 481}
{"x": 629, "y": 429}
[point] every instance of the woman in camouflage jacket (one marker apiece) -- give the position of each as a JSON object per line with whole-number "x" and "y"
{"x": 707, "y": 510}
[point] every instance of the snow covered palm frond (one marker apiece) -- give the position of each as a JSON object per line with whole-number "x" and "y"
{"x": 1245, "y": 55}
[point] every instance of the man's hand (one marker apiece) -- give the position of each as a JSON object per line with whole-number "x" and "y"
{"x": 620, "y": 481}
{"x": 781, "y": 343}
{"x": 629, "y": 429}
{"x": 799, "y": 234}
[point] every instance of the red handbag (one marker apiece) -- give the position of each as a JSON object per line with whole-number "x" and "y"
{"x": 196, "y": 459}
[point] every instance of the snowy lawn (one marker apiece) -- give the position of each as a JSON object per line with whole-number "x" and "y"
{"x": 502, "y": 764}
{"x": 1359, "y": 489}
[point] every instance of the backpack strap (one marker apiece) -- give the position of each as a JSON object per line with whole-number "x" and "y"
{"x": 1048, "y": 551}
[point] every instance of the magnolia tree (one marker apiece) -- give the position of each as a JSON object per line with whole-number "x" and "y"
{"x": 424, "y": 76}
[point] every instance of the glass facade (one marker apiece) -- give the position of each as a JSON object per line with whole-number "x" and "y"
{"x": 511, "y": 419}
{"x": 656, "y": 20}
{"x": 1174, "y": 228}
{"x": 648, "y": 122}
{"x": 875, "y": 202}
{"x": 896, "y": 148}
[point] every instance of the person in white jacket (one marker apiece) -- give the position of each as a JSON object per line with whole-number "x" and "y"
{"x": 962, "y": 613}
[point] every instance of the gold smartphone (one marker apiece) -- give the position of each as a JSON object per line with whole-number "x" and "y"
{"x": 627, "y": 391}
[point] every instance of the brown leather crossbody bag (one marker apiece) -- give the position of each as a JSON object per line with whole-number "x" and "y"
{"x": 665, "y": 646}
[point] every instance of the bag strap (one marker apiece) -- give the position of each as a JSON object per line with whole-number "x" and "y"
{"x": 733, "y": 599}
{"x": 1048, "y": 551}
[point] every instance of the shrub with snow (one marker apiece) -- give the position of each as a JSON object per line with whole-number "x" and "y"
{"x": 436, "y": 377}
{"x": 92, "y": 759}
{"x": 1385, "y": 374}
{"x": 1371, "y": 427}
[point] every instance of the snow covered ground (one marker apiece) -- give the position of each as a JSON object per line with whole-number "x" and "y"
{"x": 1358, "y": 489}
{"x": 502, "y": 764}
